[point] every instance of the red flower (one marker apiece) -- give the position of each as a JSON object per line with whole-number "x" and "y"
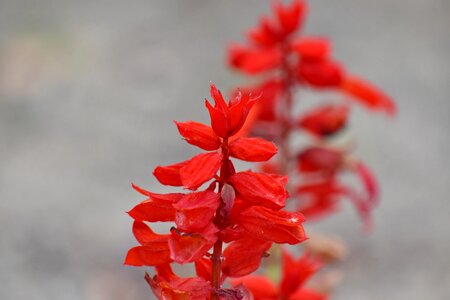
{"x": 228, "y": 119}
{"x": 295, "y": 274}
{"x": 204, "y": 220}
{"x": 325, "y": 120}
{"x": 273, "y": 46}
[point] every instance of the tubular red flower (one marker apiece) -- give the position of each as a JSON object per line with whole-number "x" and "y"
{"x": 325, "y": 120}
{"x": 169, "y": 175}
{"x": 320, "y": 159}
{"x": 275, "y": 226}
{"x": 159, "y": 207}
{"x": 260, "y": 189}
{"x": 253, "y": 61}
{"x": 195, "y": 210}
{"x": 200, "y": 169}
{"x": 312, "y": 48}
{"x": 243, "y": 256}
{"x": 252, "y": 149}
{"x": 368, "y": 95}
{"x": 199, "y": 135}
{"x": 324, "y": 73}
{"x": 190, "y": 247}
{"x": 290, "y": 17}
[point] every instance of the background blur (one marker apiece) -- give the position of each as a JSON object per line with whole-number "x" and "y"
{"x": 88, "y": 92}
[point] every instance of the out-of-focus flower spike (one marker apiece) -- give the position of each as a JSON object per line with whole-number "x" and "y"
{"x": 368, "y": 95}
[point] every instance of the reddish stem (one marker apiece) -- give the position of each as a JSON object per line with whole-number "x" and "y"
{"x": 216, "y": 258}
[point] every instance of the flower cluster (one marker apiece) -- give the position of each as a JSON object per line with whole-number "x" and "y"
{"x": 287, "y": 61}
{"x": 239, "y": 209}
{"x": 296, "y": 272}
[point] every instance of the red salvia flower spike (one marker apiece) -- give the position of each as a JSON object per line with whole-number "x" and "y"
{"x": 199, "y": 135}
{"x": 252, "y": 149}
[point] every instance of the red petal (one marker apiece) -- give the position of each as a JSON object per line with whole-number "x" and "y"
{"x": 325, "y": 120}
{"x": 265, "y": 34}
{"x": 169, "y": 175}
{"x": 218, "y": 98}
{"x": 368, "y": 95}
{"x": 253, "y": 61}
{"x": 312, "y": 48}
{"x": 259, "y": 286}
{"x": 200, "y": 169}
{"x": 153, "y": 254}
{"x": 219, "y": 121}
{"x": 307, "y": 294}
{"x": 369, "y": 181}
{"x": 238, "y": 112}
{"x": 320, "y": 159}
{"x": 296, "y": 273}
{"x": 291, "y": 17}
{"x": 252, "y": 149}
{"x": 259, "y": 189}
{"x": 199, "y": 135}
{"x": 243, "y": 257}
{"x": 191, "y": 247}
{"x": 159, "y": 207}
{"x": 321, "y": 74}
{"x": 145, "y": 236}
{"x": 186, "y": 289}
{"x": 203, "y": 268}
{"x": 318, "y": 199}
{"x": 276, "y": 226}
{"x": 195, "y": 210}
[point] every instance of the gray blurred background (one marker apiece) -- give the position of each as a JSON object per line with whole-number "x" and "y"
{"x": 88, "y": 92}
